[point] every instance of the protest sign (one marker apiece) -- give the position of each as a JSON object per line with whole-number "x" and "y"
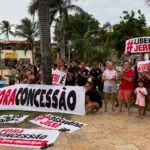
{"x": 142, "y": 66}
{"x": 58, "y": 77}
{"x": 55, "y": 122}
{"x": 27, "y": 137}
{"x": 12, "y": 118}
{"x": 138, "y": 45}
{"x": 43, "y": 98}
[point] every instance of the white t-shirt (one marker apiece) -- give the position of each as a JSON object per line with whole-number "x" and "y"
{"x": 110, "y": 74}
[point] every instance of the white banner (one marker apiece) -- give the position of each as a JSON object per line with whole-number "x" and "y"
{"x": 12, "y": 118}
{"x": 27, "y": 137}
{"x": 58, "y": 77}
{"x": 142, "y": 66}
{"x": 43, "y": 98}
{"x": 55, "y": 122}
{"x": 138, "y": 45}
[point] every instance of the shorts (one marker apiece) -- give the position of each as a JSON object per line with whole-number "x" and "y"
{"x": 110, "y": 89}
{"x": 124, "y": 95}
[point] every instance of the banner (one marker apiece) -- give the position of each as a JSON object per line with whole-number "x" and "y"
{"x": 27, "y": 137}
{"x": 55, "y": 122}
{"x": 58, "y": 77}
{"x": 142, "y": 66}
{"x": 12, "y": 118}
{"x": 43, "y": 98}
{"x": 138, "y": 45}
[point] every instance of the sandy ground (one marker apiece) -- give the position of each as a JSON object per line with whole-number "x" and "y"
{"x": 105, "y": 131}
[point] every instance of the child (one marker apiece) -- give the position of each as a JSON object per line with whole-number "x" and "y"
{"x": 141, "y": 93}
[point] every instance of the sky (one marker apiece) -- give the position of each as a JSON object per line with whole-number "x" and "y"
{"x": 102, "y": 10}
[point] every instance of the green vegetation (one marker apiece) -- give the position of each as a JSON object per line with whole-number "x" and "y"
{"x": 6, "y": 28}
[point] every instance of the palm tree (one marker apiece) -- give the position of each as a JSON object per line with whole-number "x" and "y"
{"x": 27, "y": 30}
{"x": 147, "y": 2}
{"x": 6, "y": 28}
{"x": 62, "y": 26}
{"x": 44, "y": 28}
{"x": 58, "y": 8}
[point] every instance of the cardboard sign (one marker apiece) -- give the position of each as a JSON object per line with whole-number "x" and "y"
{"x": 58, "y": 77}
{"x": 138, "y": 45}
{"x": 142, "y": 66}
{"x": 12, "y": 118}
{"x": 43, "y": 98}
{"x": 27, "y": 137}
{"x": 55, "y": 122}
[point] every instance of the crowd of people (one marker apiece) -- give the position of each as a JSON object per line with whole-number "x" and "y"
{"x": 104, "y": 84}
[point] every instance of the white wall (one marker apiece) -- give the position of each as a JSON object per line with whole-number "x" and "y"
{"x": 20, "y": 54}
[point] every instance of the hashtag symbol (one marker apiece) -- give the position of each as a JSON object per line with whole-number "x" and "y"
{"x": 130, "y": 45}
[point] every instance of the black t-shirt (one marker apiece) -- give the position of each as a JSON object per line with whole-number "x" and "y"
{"x": 95, "y": 73}
{"x": 94, "y": 96}
{"x": 73, "y": 71}
{"x": 81, "y": 81}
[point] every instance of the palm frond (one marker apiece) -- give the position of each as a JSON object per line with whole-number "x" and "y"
{"x": 147, "y": 2}
{"x": 33, "y": 7}
{"x": 75, "y": 8}
{"x": 27, "y": 29}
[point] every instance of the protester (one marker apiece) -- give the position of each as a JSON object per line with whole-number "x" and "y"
{"x": 83, "y": 75}
{"x": 126, "y": 86}
{"x": 110, "y": 87}
{"x": 73, "y": 72}
{"x": 141, "y": 93}
{"x": 145, "y": 76}
{"x": 11, "y": 75}
{"x": 93, "y": 99}
{"x": 2, "y": 82}
{"x": 96, "y": 75}
{"x": 147, "y": 82}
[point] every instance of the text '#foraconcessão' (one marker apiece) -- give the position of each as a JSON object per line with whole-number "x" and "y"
{"x": 46, "y": 98}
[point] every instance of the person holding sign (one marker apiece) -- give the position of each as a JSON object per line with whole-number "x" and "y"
{"x": 145, "y": 76}
{"x": 93, "y": 99}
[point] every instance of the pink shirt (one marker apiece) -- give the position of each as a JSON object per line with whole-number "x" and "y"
{"x": 140, "y": 98}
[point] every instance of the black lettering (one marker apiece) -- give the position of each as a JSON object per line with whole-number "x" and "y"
{"x": 41, "y": 98}
{"x": 62, "y": 79}
{"x": 62, "y": 103}
{"x": 24, "y": 96}
{"x": 136, "y": 41}
{"x": 141, "y": 40}
{"x": 55, "y": 99}
{"x": 18, "y": 96}
{"x": 80, "y": 125}
{"x": 35, "y": 97}
{"x": 30, "y": 97}
{"x": 48, "y": 98}
{"x": 71, "y": 100}
{"x": 145, "y": 40}
{"x": 58, "y": 120}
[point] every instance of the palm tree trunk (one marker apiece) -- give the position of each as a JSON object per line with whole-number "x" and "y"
{"x": 7, "y": 36}
{"x": 62, "y": 39}
{"x": 44, "y": 25}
